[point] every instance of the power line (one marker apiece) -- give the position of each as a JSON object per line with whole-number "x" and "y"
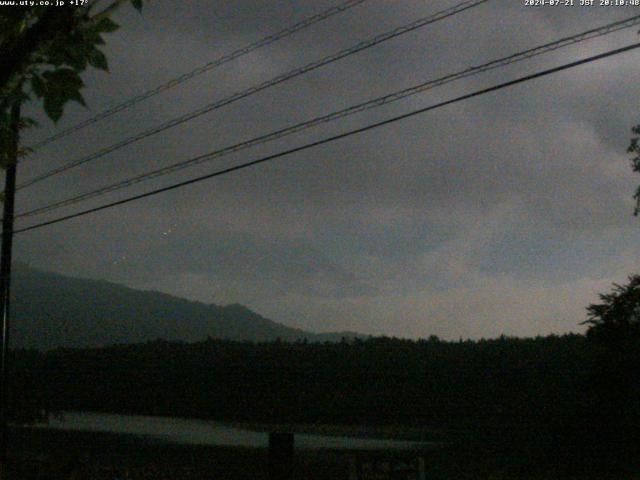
{"x": 263, "y": 42}
{"x": 422, "y": 22}
{"x": 374, "y": 103}
{"x": 334, "y": 137}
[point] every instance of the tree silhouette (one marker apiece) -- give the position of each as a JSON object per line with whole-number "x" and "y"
{"x": 616, "y": 320}
{"x": 614, "y": 329}
{"x": 43, "y": 51}
{"x": 634, "y": 147}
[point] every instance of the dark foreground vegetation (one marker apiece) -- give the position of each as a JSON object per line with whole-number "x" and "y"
{"x": 549, "y": 407}
{"x": 101, "y": 456}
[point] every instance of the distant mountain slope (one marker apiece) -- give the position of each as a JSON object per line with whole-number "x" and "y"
{"x": 52, "y": 310}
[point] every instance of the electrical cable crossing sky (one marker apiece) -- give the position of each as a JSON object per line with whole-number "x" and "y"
{"x": 263, "y": 42}
{"x": 366, "y": 44}
{"x": 333, "y": 138}
{"x": 374, "y": 103}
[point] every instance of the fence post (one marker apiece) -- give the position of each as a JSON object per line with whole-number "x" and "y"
{"x": 280, "y": 456}
{"x": 353, "y": 468}
{"x": 421, "y": 472}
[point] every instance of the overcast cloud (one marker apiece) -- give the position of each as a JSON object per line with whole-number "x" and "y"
{"x": 507, "y": 213}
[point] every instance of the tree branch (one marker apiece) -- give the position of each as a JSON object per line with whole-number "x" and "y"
{"x": 14, "y": 59}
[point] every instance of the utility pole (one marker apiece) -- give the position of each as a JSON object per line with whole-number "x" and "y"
{"x": 5, "y": 277}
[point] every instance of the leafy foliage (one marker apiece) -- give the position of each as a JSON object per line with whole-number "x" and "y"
{"x": 617, "y": 319}
{"x": 43, "y": 52}
{"x": 614, "y": 328}
{"x": 634, "y": 147}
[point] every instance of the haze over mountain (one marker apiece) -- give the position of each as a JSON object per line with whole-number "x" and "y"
{"x": 51, "y": 310}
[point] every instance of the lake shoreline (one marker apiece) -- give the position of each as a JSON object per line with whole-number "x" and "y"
{"x": 382, "y": 432}
{"x": 206, "y": 432}
{"x": 386, "y": 432}
{"x": 103, "y": 455}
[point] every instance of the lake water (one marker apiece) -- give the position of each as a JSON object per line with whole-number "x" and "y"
{"x": 202, "y": 432}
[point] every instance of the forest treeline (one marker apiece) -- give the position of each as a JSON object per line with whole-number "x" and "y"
{"x": 372, "y": 381}
{"x": 564, "y": 397}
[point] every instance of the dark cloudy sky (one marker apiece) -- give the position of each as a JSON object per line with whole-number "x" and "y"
{"x": 502, "y": 214}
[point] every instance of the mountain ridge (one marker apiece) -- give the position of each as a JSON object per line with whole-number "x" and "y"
{"x": 52, "y": 310}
